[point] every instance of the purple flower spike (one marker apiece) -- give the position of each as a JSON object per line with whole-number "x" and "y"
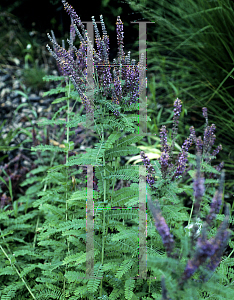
{"x": 215, "y": 259}
{"x": 149, "y": 168}
{"x": 105, "y": 36}
{"x": 216, "y": 202}
{"x": 71, "y": 12}
{"x": 163, "y": 138}
{"x": 204, "y": 113}
{"x": 211, "y": 250}
{"x": 199, "y": 187}
{"x": 204, "y": 250}
{"x": 219, "y": 167}
{"x": 209, "y": 138}
{"x": 117, "y": 85}
{"x": 162, "y": 227}
{"x": 177, "y": 111}
{"x": 181, "y": 164}
{"x": 187, "y": 143}
{"x": 193, "y": 134}
{"x": 220, "y": 242}
{"x": 199, "y": 145}
{"x": 120, "y": 36}
{"x": 182, "y": 157}
{"x": 177, "y": 108}
{"x": 164, "y": 158}
{"x": 216, "y": 151}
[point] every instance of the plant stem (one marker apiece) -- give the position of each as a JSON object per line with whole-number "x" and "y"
{"x": 68, "y": 106}
{"x": 28, "y": 288}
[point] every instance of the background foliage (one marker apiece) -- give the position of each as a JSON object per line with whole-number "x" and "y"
{"x": 190, "y": 56}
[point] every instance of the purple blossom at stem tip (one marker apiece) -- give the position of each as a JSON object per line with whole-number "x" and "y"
{"x": 120, "y": 37}
{"x": 163, "y": 139}
{"x": 177, "y": 111}
{"x": 204, "y": 113}
{"x": 193, "y": 134}
{"x": 76, "y": 69}
{"x": 149, "y": 168}
{"x": 182, "y": 157}
{"x": 209, "y": 138}
{"x": 73, "y": 15}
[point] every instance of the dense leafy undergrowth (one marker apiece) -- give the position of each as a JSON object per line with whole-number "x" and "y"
{"x": 66, "y": 239}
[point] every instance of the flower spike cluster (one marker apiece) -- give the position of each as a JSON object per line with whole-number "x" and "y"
{"x": 121, "y": 87}
{"x": 177, "y": 111}
{"x": 174, "y": 171}
{"x": 208, "y": 250}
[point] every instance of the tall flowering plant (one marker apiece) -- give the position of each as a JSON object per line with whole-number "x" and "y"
{"x": 121, "y": 84}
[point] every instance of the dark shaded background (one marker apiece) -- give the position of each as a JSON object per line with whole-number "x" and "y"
{"x": 44, "y": 15}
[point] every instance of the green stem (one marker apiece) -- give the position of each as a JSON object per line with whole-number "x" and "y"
{"x": 103, "y": 227}
{"x": 25, "y": 283}
{"x": 191, "y": 214}
{"x": 68, "y": 112}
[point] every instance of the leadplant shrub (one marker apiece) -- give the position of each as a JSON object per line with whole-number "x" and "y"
{"x": 44, "y": 243}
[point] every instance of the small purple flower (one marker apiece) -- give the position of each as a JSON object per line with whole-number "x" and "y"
{"x": 219, "y": 167}
{"x": 182, "y": 157}
{"x": 199, "y": 187}
{"x": 187, "y": 143}
{"x": 105, "y": 38}
{"x": 209, "y": 138}
{"x": 120, "y": 36}
{"x": 163, "y": 138}
{"x": 163, "y": 160}
{"x": 204, "y": 113}
{"x": 149, "y": 168}
{"x": 107, "y": 80}
{"x": 193, "y": 134}
{"x": 199, "y": 145}
{"x": 71, "y": 12}
{"x": 123, "y": 86}
{"x": 216, "y": 151}
{"x": 181, "y": 164}
{"x": 177, "y": 111}
{"x": 162, "y": 227}
{"x": 117, "y": 85}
